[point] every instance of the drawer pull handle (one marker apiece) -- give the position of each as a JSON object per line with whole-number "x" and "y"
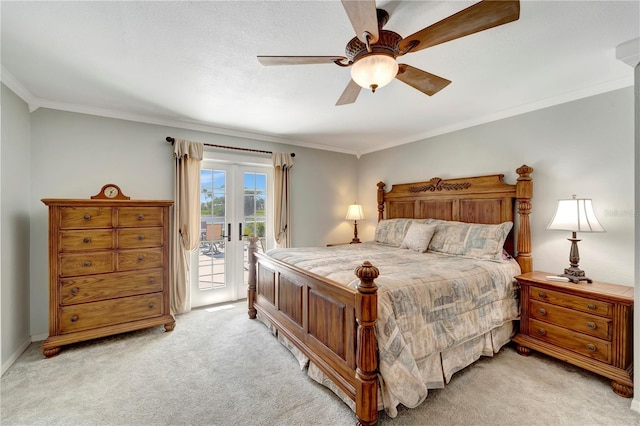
{"x": 140, "y": 216}
{"x": 542, "y": 295}
{"x": 86, "y": 240}
{"x": 74, "y": 318}
{"x": 542, "y": 311}
{"x": 541, "y": 331}
{"x": 591, "y": 325}
{"x": 74, "y": 290}
{"x": 591, "y": 347}
{"x": 591, "y": 306}
{"x": 151, "y": 305}
{"x": 152, "y": 280}
{"x": 86, "y": 263}
{"x": 141, "y": 237}
{"x": 87, "y": 217}
{"x": 140, "y": 258}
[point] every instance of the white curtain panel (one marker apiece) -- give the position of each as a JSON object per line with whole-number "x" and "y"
{"x": 282, "y": 164}
{"x": 186, "y": 223}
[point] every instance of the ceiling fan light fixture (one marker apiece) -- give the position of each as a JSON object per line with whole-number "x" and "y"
{"x": 374, "y": 71}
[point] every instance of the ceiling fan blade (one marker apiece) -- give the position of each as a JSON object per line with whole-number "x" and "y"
{"x": 299, "y": 60}
{"x": 423, "y": 81}
{"x": 350, "y": 93}
{"x": 363, "y": 17}
{"x": 479, "y": 17}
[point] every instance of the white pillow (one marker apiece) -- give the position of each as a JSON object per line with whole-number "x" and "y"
{"x": 418, "y": 237}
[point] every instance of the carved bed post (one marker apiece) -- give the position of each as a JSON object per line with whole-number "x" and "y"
{"x": 380, "y": 201}
{"x": 524, "y": 193}
{"x": 251, "y": 292}
{"x": 367, "y": 352}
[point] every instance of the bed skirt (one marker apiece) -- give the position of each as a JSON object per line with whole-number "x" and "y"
{"x": 436, "y": 370}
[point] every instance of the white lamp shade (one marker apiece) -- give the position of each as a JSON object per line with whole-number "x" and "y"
{"x": 355, "y": 212}
{"x": 575, "y": 215}
{"x": 374, "y": 70}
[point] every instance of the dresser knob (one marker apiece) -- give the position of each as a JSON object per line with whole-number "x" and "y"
{"x": 140, "y": 258}
{"x": 86, "y": 217}
{"x": 140, "y": 216}
{"x": 86, "y": 240}
{"x": 542, "y": 295}
{"x": 152, "y": 280}
{"x": 591, "y": 325}
{"x": 74, "y": 318}
{"x": 591, "y": 347}
{"x": 86, "y": 263}
{"x": 74, "y": 290}
{"x": 151, "y": 305}
{"x": 541, "y": 331}
{"x": 591, "y": 306}
{"x": 542, "y": 311}
{"x": 141, "y": 237}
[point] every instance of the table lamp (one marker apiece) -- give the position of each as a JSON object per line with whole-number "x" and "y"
{"x": 355, "y": 213}
{"x": 575, "y": 215}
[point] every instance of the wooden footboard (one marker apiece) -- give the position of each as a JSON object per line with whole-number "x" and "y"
{"x": 331, "y": 324}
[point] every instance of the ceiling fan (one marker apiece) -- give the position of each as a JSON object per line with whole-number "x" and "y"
{"x": 372, "y": 53}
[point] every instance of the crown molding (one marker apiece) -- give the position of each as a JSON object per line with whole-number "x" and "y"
{"x": 533, "y": 106}
{"x": 34, "y": 103}
{"x": 629, "y": 52}
{"x": 18, "y": 88}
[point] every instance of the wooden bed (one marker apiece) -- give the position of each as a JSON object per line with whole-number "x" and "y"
{"x": 333, "y": 325}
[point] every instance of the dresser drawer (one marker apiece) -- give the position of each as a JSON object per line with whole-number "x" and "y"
{"x": 129, "y": 260}
{"x": 86, "y": 263}
{"x": 108, "y": 286}
{"x": 574, "y": 302}
{"x": 568, "y": 318}
{"x": 85, "y": 217}
{"x": 140, "y": 237}
{"x": 140, "y": 217}
{"x": 86, "y": 240}
{"x": 576, "y": 342}
{"x": 109, "y": 312}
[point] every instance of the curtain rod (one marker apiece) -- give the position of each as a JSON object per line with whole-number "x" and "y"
{"x": 172, "y": 140}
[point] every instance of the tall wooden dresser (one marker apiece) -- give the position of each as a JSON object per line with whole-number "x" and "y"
{"x": 108, "y": 267}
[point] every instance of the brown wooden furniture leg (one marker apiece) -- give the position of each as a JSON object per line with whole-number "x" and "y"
{"x": 622, "y": 390}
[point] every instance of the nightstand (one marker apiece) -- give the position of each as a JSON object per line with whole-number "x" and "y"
{"x": 587, "y": 325}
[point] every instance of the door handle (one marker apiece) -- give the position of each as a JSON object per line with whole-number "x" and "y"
{"x": 240, "y": 231}
{"x": 229, "y": 231}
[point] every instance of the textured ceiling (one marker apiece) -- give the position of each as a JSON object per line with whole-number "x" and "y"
{"x": 193, "y": 65}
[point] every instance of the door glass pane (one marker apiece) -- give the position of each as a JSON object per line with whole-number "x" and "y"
{"x": 211, "y": 257}
{"x": 255, "y": 213}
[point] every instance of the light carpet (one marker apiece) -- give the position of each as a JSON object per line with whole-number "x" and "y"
{"x": 220, "y": 368}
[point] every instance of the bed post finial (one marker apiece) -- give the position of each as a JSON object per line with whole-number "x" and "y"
{"x": 381, "y": 186}
{"x": 251, "y": 291}
{"x": 524, "y": 194}
{"x": 367, "y": 352}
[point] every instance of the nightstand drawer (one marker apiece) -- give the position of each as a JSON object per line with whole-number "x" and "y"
{"x": 583, "y": 304}
{"x": 592, "y": 325}
{"x": 576, "y": 342}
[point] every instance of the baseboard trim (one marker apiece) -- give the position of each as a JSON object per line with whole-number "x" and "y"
{"x": 635, "y": 405}
{"x": 13, "y": 358}
{"x": 39, "y": 337}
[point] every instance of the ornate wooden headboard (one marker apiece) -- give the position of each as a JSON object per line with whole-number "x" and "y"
{"x": 479, "y": 199}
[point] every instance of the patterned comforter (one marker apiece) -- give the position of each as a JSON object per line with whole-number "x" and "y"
{"x": 436, "y": 312}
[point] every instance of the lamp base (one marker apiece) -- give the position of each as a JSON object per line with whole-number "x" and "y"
{"x": 355, "y": 241}
{"x": 575, "y": 275}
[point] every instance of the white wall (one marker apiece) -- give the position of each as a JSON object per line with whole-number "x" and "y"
{"x": 14, "y": 226}
{"x": 73, "y": 155}
{"x": 583, "y": 147}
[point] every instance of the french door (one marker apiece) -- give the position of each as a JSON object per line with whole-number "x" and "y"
{"x": 235, "y": 203}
